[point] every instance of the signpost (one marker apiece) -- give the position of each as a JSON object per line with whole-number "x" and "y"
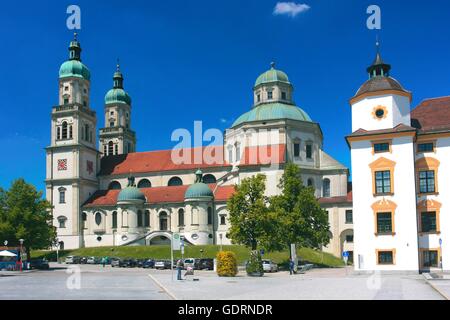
{"x": 345, "y": 255}
{"x": 175, "y": 244}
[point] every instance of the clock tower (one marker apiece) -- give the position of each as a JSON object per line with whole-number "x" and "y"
{"x": 72, "y": 157}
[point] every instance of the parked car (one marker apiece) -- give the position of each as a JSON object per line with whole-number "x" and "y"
{"x": 204, "y": 264}
{"x": 269, "y": 266}
{"x": 115, "y": 262}
{"x": 128, "y": 263}
{"x": 149, "y": 263}
{"x": 93, "y": 260}
{"x": 72, "y": 260}
{"x": 162, "y": 264}
{"x": 189, "y": 263}
{"x": 41, "y": 264}
{"x": 83, "y": 260}
{"x": 140, "y": 263}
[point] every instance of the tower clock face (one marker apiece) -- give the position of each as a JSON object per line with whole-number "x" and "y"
{"x": 62, "y": 164}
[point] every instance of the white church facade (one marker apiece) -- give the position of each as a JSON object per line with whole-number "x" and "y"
{"x": 400, "y": 175}
{"x": 104, "y": 193}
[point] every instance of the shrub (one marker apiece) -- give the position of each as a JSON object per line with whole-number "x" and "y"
{"x": 254, "y": 265}
{"x": 226, "y": 264}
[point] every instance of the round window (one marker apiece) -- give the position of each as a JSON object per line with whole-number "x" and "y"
{"x": 379, "y": 113}
{"x": 194, "y": 236}
{"x": 99, "y": 239}
{"x": 124, "y": 238}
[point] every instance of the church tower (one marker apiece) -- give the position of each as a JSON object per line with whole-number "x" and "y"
{"x": 72, "y": 156}
{"x": 382, "y": 155}
{"x": 117, "y": 136}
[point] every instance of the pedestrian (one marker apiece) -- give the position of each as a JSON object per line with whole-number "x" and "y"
{"x": 179, "y": 267}
{"x": 291, "y": 267}
{"x": 103, "y": 261}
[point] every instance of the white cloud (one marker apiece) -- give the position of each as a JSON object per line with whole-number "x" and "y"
{"x": 223, "y": 120}
{"x": 291, "y": 9}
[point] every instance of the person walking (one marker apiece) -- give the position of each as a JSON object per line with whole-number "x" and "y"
{"x": 179, "y": 267}
{"x": 103, "y": 261}
{"x": 291, "y": 267}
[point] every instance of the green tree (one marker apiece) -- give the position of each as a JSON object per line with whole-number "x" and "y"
{"x": 297, "y": 215}
{"x": 25, "y": 215}
{"x": 248, "y": 209}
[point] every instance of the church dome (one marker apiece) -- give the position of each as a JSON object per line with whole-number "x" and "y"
{"x": 117, "y": 95}
{"x": 131, "y": 193}
{"x": 272, "y": 75}
{"x": 74, "y": 68}
{"x": 273, "y": 111}
{"x": 198, "y": 189}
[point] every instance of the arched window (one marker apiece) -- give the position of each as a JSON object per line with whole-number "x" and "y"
{"x": 163, "y": 221}
{"x": 209, "y": 179}
{"x": 62, "y": 195}
{"x": 84, "y": 219}
{"x": 181, "y": 217}
{"x": 144, "y": 183}
{"x": 62, "y": 222}
{"x": 310, "y": 182}
{"x": 114, "y": 185}
{"x": 110, "y": 148}
{"x": 140, "y": 220}
{"x": 326, "y": 188}
{"x": 64, "y": 130}
{"x": 98, "y": 218}
{"x": 175, "y": 181}
{"x": 114, "y": 219}
{"x": 223, "y": 220}
{"x": 210, "y": 216}
{"x": 147, "y": 219}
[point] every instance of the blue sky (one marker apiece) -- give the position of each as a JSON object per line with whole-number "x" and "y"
{"x": 198, "y": 60}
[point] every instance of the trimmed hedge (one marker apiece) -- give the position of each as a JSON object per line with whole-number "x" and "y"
{"x": 226, "y": 264}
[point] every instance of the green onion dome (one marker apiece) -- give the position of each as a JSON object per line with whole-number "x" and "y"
{"x": 273, "y": 111}
{"x": 199, "y": 189}
{"x": 117, "y": 94}
{"x": 131, "y": 193}
{"x": 74, "y": 67}
{"x": 272, "y": 75}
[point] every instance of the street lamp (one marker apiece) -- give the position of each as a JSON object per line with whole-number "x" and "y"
{"x": 6, "y": 243}
{"x": 57, "y": 249}
{"x": 220, "y": 236}
{"x": 21, "y": 255}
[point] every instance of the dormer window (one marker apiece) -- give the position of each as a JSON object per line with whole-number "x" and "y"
{"x": 270, "y": 95}
{"x": 111, "y": 124}
{"x": 66, "y": 100}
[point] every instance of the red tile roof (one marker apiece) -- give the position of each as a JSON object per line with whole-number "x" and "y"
{"x": 397, "y": 129}
{"x": 205, "y": 157}
{"x": 156, "y": 195}
{"x": 333, "y": 200}
{"x": 432, "y": 115}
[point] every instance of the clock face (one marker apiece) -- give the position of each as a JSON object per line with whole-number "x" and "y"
{"x": 62, "y": 164}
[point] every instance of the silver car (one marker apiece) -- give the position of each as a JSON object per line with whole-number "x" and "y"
{"x": 269, "y": 266}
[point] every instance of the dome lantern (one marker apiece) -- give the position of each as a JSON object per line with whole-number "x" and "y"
{"x": 378, "y": 68}
{"x": 117, "y": 94}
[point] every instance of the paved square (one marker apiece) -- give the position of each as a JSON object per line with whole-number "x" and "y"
{"x": 98, "y": 283}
